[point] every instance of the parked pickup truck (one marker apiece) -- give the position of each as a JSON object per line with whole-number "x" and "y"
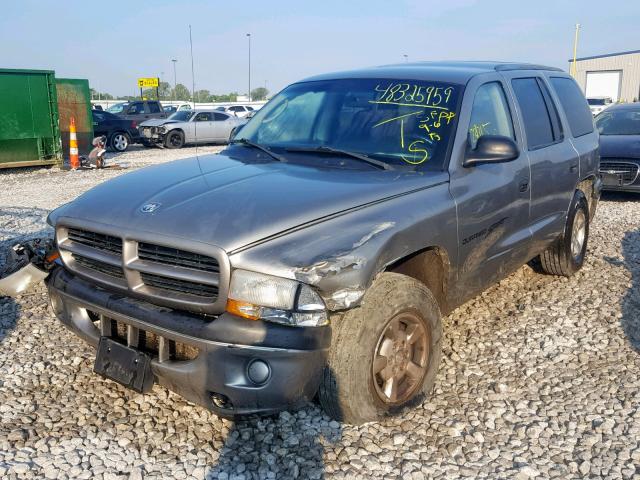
{"x": 317, "y": 254}
{"x": 141, "y": 110}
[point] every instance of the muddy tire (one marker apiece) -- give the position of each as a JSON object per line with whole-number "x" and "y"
{"x": 174, "y": 139}
{"x": 384, "y": 354}
{"x": 566, "y": 256}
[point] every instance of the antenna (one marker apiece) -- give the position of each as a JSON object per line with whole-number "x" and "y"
{"x": 193, "y": 93}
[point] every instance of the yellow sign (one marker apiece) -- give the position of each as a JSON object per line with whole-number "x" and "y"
{"x": 148, "y": 82}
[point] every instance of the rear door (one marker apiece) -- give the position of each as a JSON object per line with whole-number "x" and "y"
{"x": 492, "y": 200}
{"x": 554, "y": 161}
{"x": 223, "y": 124}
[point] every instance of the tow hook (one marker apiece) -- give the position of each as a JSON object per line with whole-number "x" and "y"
{"x": 27, "y": 264}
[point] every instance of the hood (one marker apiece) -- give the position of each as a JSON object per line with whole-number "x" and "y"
{"x": 230, "y": 203}
{"x": 156, "y": 122}
{"x": 622, "y": 146}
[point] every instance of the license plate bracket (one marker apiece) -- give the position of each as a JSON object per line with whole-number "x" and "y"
{"x": 125, "y": 365}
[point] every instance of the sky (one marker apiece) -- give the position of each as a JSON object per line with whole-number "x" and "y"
{"x": 113, "y": 43}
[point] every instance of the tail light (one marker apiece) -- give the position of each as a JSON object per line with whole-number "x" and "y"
{"x": 134, "y": 124}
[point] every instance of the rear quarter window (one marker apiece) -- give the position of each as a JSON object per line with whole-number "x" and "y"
{"x": 575, "y": 106}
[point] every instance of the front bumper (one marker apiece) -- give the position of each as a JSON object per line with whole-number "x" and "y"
{"x": 226, "y": 347}
{"x": 150, "y": 135}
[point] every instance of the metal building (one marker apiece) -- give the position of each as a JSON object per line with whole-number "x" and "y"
{"x": 615, "y": 75}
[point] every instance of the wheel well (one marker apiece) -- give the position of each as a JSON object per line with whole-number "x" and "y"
{"x": 586, "y": 187}
{"x": 429, "y": 266}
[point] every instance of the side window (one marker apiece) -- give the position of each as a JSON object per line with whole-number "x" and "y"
{"x": 574, "y": 105}
{"x": 250, "y": 109}
{"x": 236, "y": 109}
{"x": 554, "y": 116}
{"x": 154, "y": 107}
{"x": 535, "y": 115}
{"x": 203, "y": 117}
{"x": 490, "y": 114}
{"x": 136, "y": 108}
{"x": 220, "y": 117}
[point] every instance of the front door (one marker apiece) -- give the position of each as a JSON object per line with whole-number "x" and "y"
{"x": 492, "y": 199}
{"x": 204, "y": 129}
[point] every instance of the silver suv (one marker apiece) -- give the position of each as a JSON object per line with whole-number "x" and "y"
{"x": 317, "y": 254}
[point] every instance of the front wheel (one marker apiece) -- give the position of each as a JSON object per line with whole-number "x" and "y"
{"x": 175, "y": 139}
{"x": 120, "y": 142}
{"x": 385, "y": 354}
{"x": 566, "y": 256}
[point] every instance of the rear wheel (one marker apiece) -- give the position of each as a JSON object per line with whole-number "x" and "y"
{"x": 385, "y": 354}
{"x": 120, "y": 141}
{"x": 566, "y": 256}
{"x": 174, "y": 139}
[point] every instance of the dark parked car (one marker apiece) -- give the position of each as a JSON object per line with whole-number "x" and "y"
{"x": 318, "y": 253}
{"x": 619, "y": 127}
{"x": 120, "y": 132}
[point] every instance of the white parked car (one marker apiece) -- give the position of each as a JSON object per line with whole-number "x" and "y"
{"x": 190, "y": 126}
{"x": 237, "y": 110}
{"x": 598, "y": 104}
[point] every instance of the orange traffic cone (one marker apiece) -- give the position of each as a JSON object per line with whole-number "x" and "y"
{"x": 73, "y": 146}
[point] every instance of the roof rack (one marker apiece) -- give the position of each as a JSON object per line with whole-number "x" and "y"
{"x": 505, "y": 67}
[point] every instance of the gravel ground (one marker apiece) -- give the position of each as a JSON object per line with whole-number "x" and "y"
{"x": 540, "y": 378}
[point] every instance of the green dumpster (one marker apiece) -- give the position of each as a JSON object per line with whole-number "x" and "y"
{"x": 29, "y": 132}
{"x": 74, "y": 100}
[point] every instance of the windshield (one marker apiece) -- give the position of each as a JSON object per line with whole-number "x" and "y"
{"x": 401, "y": 122}
{"x": 181, "y": 115}
{"x": 619, "y": 122}
{"x": 117, "y": 108}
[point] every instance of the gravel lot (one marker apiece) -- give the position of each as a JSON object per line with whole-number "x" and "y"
{"x": 540, "y": 378}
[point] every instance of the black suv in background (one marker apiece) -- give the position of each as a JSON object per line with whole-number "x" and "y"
{"x": 120, "y": 132}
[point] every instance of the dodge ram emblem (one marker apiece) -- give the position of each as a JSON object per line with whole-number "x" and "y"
{"x": 150, "y": 207}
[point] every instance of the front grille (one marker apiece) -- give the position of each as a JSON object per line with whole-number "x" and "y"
{"x": 159, "y": 274}
{"x": 99, "y": 241}
{"x": 98, "y": 266}
{"x": 177, "y": 258}
{"x": 628, "y": 170}
{"x": 179, "y": 286}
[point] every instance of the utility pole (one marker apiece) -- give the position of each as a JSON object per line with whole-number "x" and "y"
{"x": 193, "y": 76}
{"x": 575, "y": 52}
{"x": 249, "y": 36}
{"x": 173, "y": 95}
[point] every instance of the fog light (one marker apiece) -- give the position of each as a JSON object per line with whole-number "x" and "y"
{"x": 221, "y": 401}
{"x": 258, "y": 372}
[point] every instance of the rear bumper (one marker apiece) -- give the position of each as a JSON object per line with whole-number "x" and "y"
{"x": 227, "y": 346}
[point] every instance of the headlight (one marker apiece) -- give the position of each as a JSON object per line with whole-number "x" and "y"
{"x": 162, "y": 130}
{"x": 258, "y": 296}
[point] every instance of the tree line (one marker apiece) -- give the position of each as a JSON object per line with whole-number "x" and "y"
{"x": 182, "y": 93}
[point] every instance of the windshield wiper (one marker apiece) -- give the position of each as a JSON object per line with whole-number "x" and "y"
{"x": 249, "y": 143}
{"x": 359, "y": 156}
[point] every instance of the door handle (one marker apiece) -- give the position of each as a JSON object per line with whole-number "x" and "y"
{"x": 573, "y": 168}
{"x": 523, "y": 186}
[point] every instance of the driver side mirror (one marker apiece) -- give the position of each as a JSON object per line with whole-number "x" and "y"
{"x": 491, "y": 149}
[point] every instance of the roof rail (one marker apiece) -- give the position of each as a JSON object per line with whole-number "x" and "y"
{"x": 505, "y": 67}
